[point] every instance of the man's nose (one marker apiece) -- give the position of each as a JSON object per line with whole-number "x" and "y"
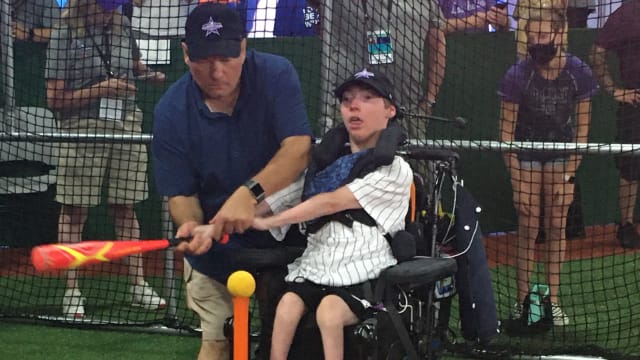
{"x": 214, "y": 68}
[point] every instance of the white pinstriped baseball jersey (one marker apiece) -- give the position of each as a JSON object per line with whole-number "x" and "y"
{"x": 339, "y": 255}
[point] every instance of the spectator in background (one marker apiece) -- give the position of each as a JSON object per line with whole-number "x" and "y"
{"x": 464, "y": 15}
{"x": 522, "y": 13}
{"x": 227, "y": 133}
{"x": 33, "y": 20}
{"x": 89, "y": 71}
{"x": 578, "y": 11}
{"x": 140, "y": 69}
{"x": 620, "y": 36}
{"x": 546, "y": 97}
{"x": 388, "y": 37}
{"x": 296, "y": 18}
{"x": 277, "y": 17}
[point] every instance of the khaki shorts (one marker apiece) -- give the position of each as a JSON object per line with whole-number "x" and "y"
{"x": 84, "y": 168}
{"x": 210, "y": 300}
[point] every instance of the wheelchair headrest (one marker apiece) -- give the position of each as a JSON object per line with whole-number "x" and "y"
{"x": 334, "y": 144}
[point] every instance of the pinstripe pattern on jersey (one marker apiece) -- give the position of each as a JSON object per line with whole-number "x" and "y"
{"x": 338, "y": 255}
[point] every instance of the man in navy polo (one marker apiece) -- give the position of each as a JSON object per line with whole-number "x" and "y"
{"x": 230, "y": 131}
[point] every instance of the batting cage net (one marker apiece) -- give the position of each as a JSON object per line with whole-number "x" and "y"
{"x": 538, "y": 97}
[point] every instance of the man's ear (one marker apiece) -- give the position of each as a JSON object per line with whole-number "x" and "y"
{"x": 185, "y": 52}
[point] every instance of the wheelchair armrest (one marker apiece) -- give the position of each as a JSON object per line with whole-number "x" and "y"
{"x": 420, "y": 152}
{"x": 420, "y": 271}
{"x": 259, "y": 259}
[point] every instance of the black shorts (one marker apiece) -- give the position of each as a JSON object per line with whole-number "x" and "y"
{"x": 628, "y": 132}
{"x": 353, "y": 295}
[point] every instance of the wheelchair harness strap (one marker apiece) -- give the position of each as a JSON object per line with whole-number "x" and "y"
{"x": 334, "y": 155}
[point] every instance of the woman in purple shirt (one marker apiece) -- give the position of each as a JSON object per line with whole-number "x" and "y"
{"x": 545, "y": 97}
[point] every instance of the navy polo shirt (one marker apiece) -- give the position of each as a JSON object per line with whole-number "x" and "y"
{"x": 211, "y": 154}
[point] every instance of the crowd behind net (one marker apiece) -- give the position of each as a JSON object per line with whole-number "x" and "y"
{"x": 451, "y": 60}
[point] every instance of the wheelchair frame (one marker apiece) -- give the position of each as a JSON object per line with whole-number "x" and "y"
{"x": 410, "y": 285}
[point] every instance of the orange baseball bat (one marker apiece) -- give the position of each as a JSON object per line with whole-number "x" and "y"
{"x": 70, "y": 256}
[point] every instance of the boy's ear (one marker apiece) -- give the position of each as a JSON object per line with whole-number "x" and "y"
{"x": 393, "y": 110}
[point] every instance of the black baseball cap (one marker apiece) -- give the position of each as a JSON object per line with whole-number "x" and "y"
{"x": 214, "y": 29}
{"x": 376, "y": 81}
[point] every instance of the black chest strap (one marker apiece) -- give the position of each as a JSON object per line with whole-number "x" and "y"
{"x": 332, "y": 146}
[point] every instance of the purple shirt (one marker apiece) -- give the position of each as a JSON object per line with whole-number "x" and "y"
{"x": 546, "y": 107}
{"x": 621, "y": 35}
{"x": 464, "y": 8}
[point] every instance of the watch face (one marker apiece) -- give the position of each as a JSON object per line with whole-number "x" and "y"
{"x": 256, "y": 189}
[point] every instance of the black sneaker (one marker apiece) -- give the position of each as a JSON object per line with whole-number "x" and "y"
{"x": 628, "y": 236}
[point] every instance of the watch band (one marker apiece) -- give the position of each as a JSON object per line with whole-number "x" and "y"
{"x": 256, "y": 189}
{"x": 32, "y": 34}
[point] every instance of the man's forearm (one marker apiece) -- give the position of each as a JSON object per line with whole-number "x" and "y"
{"x": 287, "y": 164}
{"x": 185, "y": 209}
{"x": 42, "y": 34}
{"x": 598, "y": 59}
{"x": 475, "y": 21}
{"x": 436, "y": 59}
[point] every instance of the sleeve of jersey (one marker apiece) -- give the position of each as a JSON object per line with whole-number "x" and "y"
{"x": 384, "y": 194}
{"x": 282, "y": 200}
{"x": 286, "y": 198}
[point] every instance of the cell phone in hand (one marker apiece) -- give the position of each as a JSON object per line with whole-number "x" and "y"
{"x": 501, "y": 4}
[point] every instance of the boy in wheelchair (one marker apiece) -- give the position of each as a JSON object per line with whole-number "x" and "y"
{"x": 348, "y": 220}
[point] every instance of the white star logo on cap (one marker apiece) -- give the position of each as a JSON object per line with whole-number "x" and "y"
{"x": 211, "y": 27}
{"x": 364, "y": 74}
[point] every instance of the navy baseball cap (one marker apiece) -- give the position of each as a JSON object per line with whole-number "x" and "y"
{"x": 110, "y": 5}
{"x": 376, "y": 81}
{"x": 214, "y": 29}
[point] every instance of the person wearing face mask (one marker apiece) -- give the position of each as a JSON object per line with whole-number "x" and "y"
{"x": 523, "y": 11}
{"x": 545, "y": 97}
{"x": 90, "y": 64}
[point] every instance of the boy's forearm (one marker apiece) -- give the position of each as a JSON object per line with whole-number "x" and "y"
{"x": 317, "y": 206}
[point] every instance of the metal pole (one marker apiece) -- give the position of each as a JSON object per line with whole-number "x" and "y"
{"x": 6, "y": 64}
{"x": 326, "y": 98}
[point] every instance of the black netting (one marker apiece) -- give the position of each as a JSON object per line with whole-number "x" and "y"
{"x": 539, "y": 97}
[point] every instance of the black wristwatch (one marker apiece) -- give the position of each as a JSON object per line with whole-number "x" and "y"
{"x": 256, "y": 189}
{"x": 32, "y": 34}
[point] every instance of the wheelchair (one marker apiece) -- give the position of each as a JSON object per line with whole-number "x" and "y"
{"x": 409, "y": 317}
